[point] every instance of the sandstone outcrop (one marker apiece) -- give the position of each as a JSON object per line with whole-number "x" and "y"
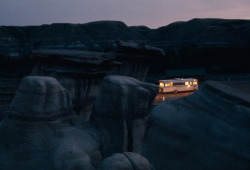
{"x": 206, "y": 130}
{"x": 120, "y": 113}
{"x": 41, "y": 132}
{"x": 125, "y": 161}
{"x": 80, "y": 72}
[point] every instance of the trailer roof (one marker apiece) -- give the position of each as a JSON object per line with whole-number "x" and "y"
{"x": 179, "y": 80}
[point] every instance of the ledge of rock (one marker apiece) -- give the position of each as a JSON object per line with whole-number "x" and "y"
{"x": 66, "y": 61}
{"x": 135, "y": 58}
{"x": 206, "y": 130}
{"x": 141, "y": 49}
{"x": 80, "y": 72}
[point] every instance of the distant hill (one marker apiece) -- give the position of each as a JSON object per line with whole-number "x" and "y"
{"x": 218, "y": 45}
{"x": 94, "y": 36}
{"x": 203, "y": 32}
{"x": 100, "y": 36}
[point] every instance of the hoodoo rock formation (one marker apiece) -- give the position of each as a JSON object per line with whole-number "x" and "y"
{"x": 120, "y": 113}
{"x": 207, "y": 130}
{"x": 135, "y": 59}
{"x": 38, "y": 132}
{"x": 80, "y": 72}
{"x": 42, "y": 132}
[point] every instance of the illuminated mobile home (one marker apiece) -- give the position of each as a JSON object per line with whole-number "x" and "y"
{"x": 178, "y": 85}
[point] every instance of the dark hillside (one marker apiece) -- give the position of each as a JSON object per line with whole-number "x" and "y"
{"x": 208, "y": 43}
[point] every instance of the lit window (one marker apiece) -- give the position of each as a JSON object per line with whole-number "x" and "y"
{"x": 167, "y": 84}
{"x": 195, "y": 82}
{"x": 161, "y": 84}
{"x": 186, "y": 83}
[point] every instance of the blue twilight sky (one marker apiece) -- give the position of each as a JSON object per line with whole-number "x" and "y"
{"x": 152, "y": 13}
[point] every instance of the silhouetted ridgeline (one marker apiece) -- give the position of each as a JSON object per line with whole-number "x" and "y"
{"x": 209, "y": 43}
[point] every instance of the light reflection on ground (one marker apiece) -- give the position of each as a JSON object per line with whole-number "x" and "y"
{"x": 163, "y": 96}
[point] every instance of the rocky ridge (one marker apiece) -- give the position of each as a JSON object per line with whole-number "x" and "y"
{"x": 18, "y": 41}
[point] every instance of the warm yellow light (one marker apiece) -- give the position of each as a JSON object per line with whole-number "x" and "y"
{"x": 161, "y": 84}
{"x": 186, "y": 83}
{"x": 167, "y": 84}
{"x": 195, "y": 82}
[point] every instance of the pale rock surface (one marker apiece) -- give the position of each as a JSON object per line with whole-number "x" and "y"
{"x": 125, "y": 161}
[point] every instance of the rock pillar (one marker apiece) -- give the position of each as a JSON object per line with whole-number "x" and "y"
{"x": 120, "y": 112}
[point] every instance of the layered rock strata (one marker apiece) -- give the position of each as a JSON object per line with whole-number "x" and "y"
{"x": 80, "y": 72}
{"x": 135, "y": 58}
{"x": 120, "y": 113}
{"x": 206, "y": 130}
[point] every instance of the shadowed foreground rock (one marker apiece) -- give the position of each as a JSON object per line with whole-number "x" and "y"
{"x": 38, "y": 132}
{"x": 41, "y": 131}
{"x": 207, "y": 130}
{"x": 120, "y": 113}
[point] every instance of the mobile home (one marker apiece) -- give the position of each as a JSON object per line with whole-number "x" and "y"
{"x": 178, "y": 85}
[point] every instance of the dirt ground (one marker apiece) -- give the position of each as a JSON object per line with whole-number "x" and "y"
{"x": 240, "y": 85}
{"x": 163, "y": 96}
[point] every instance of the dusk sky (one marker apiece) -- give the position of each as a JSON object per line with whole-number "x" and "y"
{"x": 151, "y": 13}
